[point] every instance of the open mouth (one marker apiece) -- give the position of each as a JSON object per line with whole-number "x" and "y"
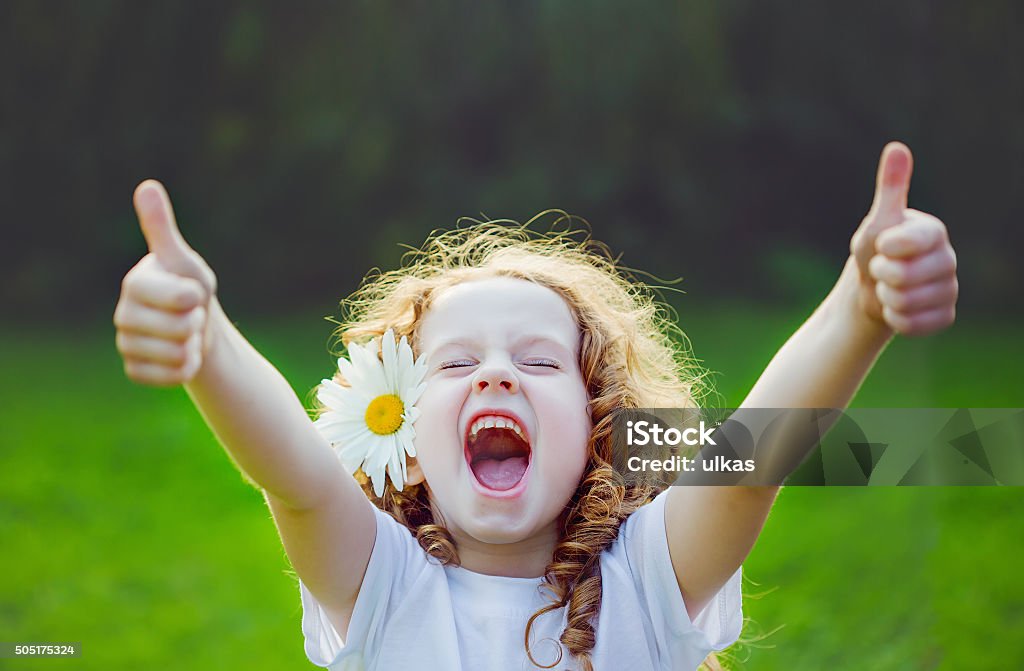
{"x": 498, "y": 452}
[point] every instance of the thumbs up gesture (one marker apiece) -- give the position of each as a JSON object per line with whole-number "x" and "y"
{"x": 905, "y": 261}
{"x": 162, "y": 314}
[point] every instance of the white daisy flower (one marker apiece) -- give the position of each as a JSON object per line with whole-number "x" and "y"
{"x": 370, "y": 422}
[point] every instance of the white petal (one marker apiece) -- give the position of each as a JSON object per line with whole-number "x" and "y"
{"x": 396, "y": 469}
{"x": 404, "y": 363}
{"x": 380, "y": 450}
{"x": 351, "y": 433}
{"x": 377, "y": 478}
{"x": 411, "y": 414}
{"x": 345, "y": 368}
{"x": 412, "y": 394}
{"x": 353, "y": 374}
{"x": 390, "y": 357}
{"x": 414, "y": 384}
{"x": 327, "y": 393}
{"x": 342, "y": 399}
{"x": 374, "y": 380}
{"x": 351, "y": 461}
{"x": 352, "y": 451}
{"x": 345, "y": 400}
{"x": 405, "y": 439}
{"x": 333, "y": 428}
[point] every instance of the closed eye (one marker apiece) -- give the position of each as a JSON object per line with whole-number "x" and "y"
{"x": 457, "y": 363}
{"x": 547, "y": 363}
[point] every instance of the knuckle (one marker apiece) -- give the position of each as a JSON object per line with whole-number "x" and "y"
{"x": 131, "y": 276}
{"x": 207, "y": 280}
{"x": 893, "y": 319}
{"x": 132, "y": 371}
{"x": 190, "y": 293}
{"x": 876, "y": 266}
{"x": 179, "y": 328}
{"x": 124, "y": 315}
{"x": 177, "y": 355}
{"x": 197, "y": 319}
{"x": 132, "y": 282}
{"x": 172, "y": 376}
{"x": 898, "y": 300}
{"x": 184, "y": 298}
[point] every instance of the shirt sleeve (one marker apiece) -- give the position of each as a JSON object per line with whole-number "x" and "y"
{"x": 645, "y": 545}
{"x": 394, "y": 556}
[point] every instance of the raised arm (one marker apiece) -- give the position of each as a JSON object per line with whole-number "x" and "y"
{"x": 171, "y": 330}
{"x": 900, "y": 277}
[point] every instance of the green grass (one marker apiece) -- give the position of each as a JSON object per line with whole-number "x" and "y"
{"x": 126, "y": 528}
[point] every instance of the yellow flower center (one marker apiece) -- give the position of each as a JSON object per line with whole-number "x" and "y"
{"x": 384, "y": 414}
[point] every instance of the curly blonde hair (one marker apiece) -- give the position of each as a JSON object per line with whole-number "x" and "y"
{"x": 631, "y": 355}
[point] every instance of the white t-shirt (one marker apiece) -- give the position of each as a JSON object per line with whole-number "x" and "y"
{"x": 413, "y": 613}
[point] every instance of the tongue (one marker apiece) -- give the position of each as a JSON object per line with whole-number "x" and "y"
{"x": 500, "y": 474}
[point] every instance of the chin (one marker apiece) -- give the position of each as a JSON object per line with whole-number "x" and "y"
{"x": 500, "y": 527}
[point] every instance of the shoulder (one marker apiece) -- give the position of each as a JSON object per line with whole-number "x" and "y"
{"x": 641, "y": 536}
{"x": 640, "y": 559}
{"x": 396, "y": 562}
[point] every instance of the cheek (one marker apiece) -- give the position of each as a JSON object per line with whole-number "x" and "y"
{"x": 571, "y": 432}
{"x": 581, "y": 444}
{"x": 436, "y": 428}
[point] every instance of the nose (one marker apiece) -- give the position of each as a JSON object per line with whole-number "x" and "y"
{"x": 494, "y": 376}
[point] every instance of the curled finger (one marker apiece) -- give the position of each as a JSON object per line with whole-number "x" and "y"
{"x": 919, "y": 233}
{"x": 164, "y": 290}
{"x": 901, "y": 273}
{"x": 153, "y": 374}
{"x": 151, "y": 350}
{"x": 922, "y": 297}
{"x": 145, "y": 320}
{"x": 919, "y": 323}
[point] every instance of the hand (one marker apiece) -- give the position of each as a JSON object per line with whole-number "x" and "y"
{"x": 906, "y": 263}
{"x": 162, "y": 314}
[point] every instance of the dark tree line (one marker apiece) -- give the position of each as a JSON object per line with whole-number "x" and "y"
{"x": 731, "y": 143}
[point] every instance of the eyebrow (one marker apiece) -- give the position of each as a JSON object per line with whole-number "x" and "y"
{"x": 525, "y": 340}
{"x": 534, "y": 339}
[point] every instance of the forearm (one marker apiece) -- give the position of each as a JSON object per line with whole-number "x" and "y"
{"x": 820, "y": 366}
{"x": 259, "y": 420}
{"x": 824, "y": 363}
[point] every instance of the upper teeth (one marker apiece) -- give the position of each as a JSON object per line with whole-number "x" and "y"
{"x": 495, "y": 422}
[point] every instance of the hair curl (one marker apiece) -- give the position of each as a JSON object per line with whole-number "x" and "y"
{"x": 632, "y": 355}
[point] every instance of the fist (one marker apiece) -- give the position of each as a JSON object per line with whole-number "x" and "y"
{"x": 905, "y": 261}
{"x": 161, "y": 317}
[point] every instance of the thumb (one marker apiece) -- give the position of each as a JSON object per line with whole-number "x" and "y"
{"x": 156, "y": 218}
{"x": 893, "y": 181}
{"x": 892, "y": 186}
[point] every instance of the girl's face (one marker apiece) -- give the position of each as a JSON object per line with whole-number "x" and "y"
{"x": 501, "y": 351}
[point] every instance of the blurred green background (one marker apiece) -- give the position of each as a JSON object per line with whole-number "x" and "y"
{"x": 733, "y": 144}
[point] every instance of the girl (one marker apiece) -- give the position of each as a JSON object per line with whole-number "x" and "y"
{"x": 490, "y": 531}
